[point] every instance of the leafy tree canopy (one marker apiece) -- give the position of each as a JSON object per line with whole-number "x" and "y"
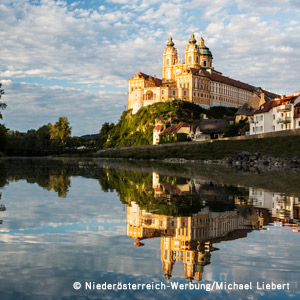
{"x": 61, "y": 130}
{"x": 2, "y": 105}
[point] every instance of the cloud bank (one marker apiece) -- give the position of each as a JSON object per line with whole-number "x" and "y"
{"x": 74, "y": 58}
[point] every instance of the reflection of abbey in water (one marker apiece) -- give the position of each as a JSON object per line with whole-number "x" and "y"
{"x": 189, "y": 238}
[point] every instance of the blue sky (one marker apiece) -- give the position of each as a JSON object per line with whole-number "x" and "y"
{"x": 73, "y": 58}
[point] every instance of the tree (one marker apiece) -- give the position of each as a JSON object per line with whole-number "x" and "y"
{"x": 104, "y": 133}
{"x": 2, "y": 105}
{"x": 43, "y": 133}
{"x": 3, "y": 138}
{"x": 61, "y": 131}
{"x": 237, "y": 128}
{"x": 3, "y": 134}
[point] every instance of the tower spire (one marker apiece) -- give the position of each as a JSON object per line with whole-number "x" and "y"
{"x": 192, "y": 39}
{"x": 201, "y": 41}
{"x": 170, "y": 42}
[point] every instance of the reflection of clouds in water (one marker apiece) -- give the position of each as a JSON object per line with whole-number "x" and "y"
{"x": 49, "y": 264}
{"x": 54, "y": 262}
{"x": 31, "y": 207}
{"x": 47, "y": 243}
{"x": 237, "y": 261}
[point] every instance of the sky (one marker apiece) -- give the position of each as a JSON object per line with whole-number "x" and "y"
{"x": 73, "y": 58}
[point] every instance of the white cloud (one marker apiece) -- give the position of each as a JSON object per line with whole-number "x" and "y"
{"x": 30, "y": 106}
{"x": 101, "y": 48}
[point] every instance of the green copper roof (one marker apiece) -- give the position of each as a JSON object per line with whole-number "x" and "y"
{"x": 204, "y": 51}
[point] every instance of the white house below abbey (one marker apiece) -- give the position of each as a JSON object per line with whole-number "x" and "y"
{"x": 193, "y": 79}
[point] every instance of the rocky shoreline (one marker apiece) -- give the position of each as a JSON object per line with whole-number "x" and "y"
{"x": 254, "y": 162}
{"x": 249, "y": 162}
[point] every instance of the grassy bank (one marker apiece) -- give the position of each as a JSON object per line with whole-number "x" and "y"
{"x": 288, "y": 146}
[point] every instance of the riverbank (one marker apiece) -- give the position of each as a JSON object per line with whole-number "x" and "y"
{"x": 41, "y": 168}
{"x": 276, "y": 147}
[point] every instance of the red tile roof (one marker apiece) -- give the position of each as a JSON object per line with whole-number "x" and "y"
{"x": 270, "y": 104}
{"x": 270, "y": 94}
{"x": 267, "y": 106}
{"x": 223, "y": 79}
{"x": 175, "y": 128}
{"x": 174, "y": 189}
{"x": 157, "y": 81}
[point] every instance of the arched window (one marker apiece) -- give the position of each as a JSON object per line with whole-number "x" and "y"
{"x": 204, "y": 63}
{"x": 190, "y": 59}
{"x": 167, "y": 61}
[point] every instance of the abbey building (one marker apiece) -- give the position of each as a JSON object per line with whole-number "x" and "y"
{"x": 193, "y": 79}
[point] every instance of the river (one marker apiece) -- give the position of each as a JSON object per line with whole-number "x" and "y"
{"x": 100, "y": 229}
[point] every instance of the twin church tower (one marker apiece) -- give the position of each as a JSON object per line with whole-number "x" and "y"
{"x": 193, "y": 79}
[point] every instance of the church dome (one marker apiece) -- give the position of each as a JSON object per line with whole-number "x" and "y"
{"x": 203, "y": 50}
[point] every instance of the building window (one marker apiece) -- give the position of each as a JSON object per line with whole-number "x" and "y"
{"x": 168, "y": 62}
{"x": 190, "y": 59}
{"x": 173, "y": 92}
{"x": 204, "y": 63}
{"x": 184, "y": 93}
{"x": 273, "y": 117}
{"x": 273, "y": 127}
{"x": 162, "y": 92}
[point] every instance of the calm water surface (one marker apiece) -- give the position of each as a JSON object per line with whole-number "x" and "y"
{"x": 69, "y": 221}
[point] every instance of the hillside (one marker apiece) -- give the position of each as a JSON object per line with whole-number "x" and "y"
{"x": 137, "y": 129}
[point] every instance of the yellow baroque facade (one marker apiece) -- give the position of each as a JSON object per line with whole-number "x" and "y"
{"x": 193, "y": 79}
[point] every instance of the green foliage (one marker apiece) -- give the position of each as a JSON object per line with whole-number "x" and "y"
{"x": 137, "y": 129}
{"x": 231, "y": 130}
{"x": 237, "y": 128}
{"x": 3, "y": 138}
{"x": 2, "y": 105}
{"x": 173, "y": 138}
{"x": 103, "y": 133}
{"x": 61, "y": 131}
{"x": 43, "y": 133}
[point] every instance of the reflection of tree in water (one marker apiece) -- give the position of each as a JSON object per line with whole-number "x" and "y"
{"x": 3, "y": 174}
{"x": 60, "y": 183}
{"x": 173, "y": 196}
{"x": 51, "y": 175}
